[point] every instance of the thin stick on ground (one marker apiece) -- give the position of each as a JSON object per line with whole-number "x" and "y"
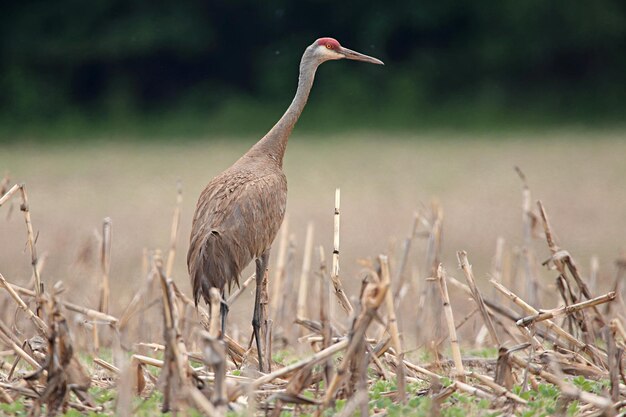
{"x": 477, "y": 392}
{"x": 493, "y": 307}
{"x": 4, "y": 184}
{"x": 373, "y": 295}
{"x": 498, "y": 259}
{"x": 148, "y": 360}
{"x": 591, "y": 350}
{"x": 316, "y": 358}
{"x": 614, "y": 365}
{"x": 171, "y": 255}
{"x": 447, "y": 308}
{"x": 528, "y": 220}
{"x": 618, "y": 328}
{"x": 7, "y": 196}
{"x": 105, "y": 265}
{"x": 324, "y": 310}
{"x": 497, "y": 265}
{"x": 498, "y": 389}
{"x": 430, "y": 328}
{"x": 39, "y": 323}
{"x": 25, "y": 208}
{"x": 5, "y": 338}
{"x": 620, "y": 263}
{"x": 105, "y": 259}
{"x": 594, "y": 267}
{"x": 303, "y": 288}
{"x": 560, "y": 258}
{"x": 570, "y": 309}
{"x": 175, "y": 378}
{"x": 334, "y": 274}
{"x": 495, "y": 310}
{"x": 106, "y": 365}
{"x": 288, "y": 306}
{"x": 5, "y": 397}
{"x": 233, "y": 297}
{"x": 569, "y": 389}
{"x": 400, "y": 276}
{"x": 137, "y": 303}
{"x": 478, "y": 298}
{"x": 392, "y": 327}
{"x": 336, "y": 228}
{"x": 89, "y": 312}
{"x": 430, "y": 375}
{"x": 279, "y": 274}
{"x": 30, "y": 393}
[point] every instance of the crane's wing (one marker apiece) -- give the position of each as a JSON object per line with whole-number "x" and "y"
{"x": 237, "y": 218}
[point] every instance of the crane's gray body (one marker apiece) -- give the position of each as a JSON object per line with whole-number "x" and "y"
{"x": 237, "y": 218}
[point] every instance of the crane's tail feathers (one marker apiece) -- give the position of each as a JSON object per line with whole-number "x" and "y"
{"x": 212, "y": 265}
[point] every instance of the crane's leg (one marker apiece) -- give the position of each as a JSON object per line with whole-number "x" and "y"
{"x": 223, "y": 312}
{"x": 261, "y": 266}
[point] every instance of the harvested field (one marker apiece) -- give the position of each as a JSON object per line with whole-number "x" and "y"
{"x": 395, "y": 322}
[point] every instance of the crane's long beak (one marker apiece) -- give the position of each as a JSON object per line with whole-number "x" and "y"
{"x": 350, "y": 54}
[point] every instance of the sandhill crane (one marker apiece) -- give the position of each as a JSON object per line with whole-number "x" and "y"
{"x": 240, "y": 211}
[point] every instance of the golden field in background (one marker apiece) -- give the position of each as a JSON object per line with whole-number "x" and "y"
{"x": 580, "y": 177}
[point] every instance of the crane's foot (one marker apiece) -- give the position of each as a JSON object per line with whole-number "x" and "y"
{"x": 257, "y": 318}
{"x": 257, "y": 336}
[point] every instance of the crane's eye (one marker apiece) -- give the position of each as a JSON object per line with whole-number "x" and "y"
{"x": 329, "y": 46}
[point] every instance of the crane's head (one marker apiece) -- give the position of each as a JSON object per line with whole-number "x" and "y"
{"x": 326, "y": 49}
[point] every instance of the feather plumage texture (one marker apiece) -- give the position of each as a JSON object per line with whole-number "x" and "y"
{"x": 236, "y": 220}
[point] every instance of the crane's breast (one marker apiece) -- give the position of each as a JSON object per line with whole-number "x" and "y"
{"x": 236, "y": 220}
{"x": 245, "y": 209}
{"x": 254, "y": 211}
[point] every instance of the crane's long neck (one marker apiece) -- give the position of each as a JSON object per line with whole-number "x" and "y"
{"x": 274, "y": 143}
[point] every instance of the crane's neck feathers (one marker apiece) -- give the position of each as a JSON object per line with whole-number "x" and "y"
{"x": 274, "y": 143}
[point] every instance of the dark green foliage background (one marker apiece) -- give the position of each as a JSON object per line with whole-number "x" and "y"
{"x": 193, "y": 67}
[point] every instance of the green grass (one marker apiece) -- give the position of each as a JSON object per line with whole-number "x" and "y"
{"x": 544, "y": 401}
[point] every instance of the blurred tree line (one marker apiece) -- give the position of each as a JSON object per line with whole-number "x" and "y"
{"x": 231, "y": 66}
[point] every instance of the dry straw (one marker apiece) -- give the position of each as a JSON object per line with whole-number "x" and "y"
{"x": 207, "y": 371}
